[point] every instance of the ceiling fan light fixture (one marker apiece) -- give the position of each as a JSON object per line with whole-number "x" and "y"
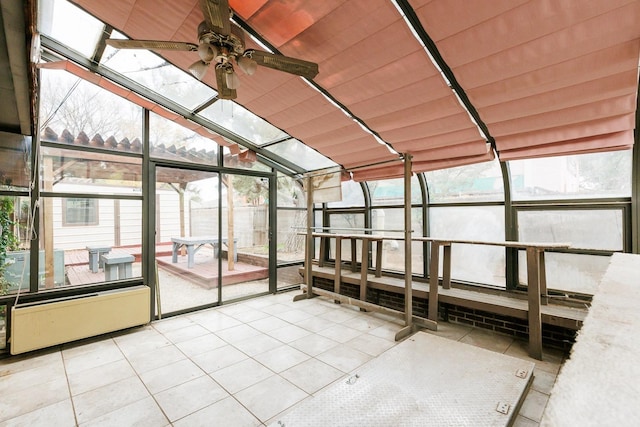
{"x": 247, "y": 65}
{"x": 207, "y": 52}
{"x": 233, "y": 81}
{"x": 199, "y": 69}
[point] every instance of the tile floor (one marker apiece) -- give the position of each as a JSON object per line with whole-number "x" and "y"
{"x": 242, "y": 364}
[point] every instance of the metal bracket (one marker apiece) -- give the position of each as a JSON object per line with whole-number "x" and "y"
{"x": 503, "y": 408}
{"x": 522, "y": 373}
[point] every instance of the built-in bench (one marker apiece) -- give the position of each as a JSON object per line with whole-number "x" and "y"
{"x": 534, "y": 308}
{"x": 117, "y": 265}
{"x": 598, "y": 385}
{"x": 95, "y": 261}
{"x": 557, "y": 315}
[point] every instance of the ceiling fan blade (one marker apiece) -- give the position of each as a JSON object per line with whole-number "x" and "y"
{"x": 151, "y": 44}
{"x": 223, "y": 90}
{"x": 216, "y": 13}
{"x": 284, "y": 63}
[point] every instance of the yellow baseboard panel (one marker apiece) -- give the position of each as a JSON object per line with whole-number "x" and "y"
{"x": 36, "y": 326}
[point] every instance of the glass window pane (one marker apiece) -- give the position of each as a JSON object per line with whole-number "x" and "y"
{"x": 346, "y": 223}
{"x": 171, "y": 141}
{"x": 472, "y": 263}
{"x": 579, "y": 176}
{"x": 73, "y": 111}
{"x": 237, "y": 162}
{"x": 393, "y": 255}
{"x": 391, "y": 191}
{"x": 481, "y": 182}
{"x": 290, "y": 243}
{"x": 74, "y": 171}
{"x": 584, "y": 229}
{"x": 153, "y": 72}
{"x": 301, "y": 155}
{"x": 577, "y": 273}
{"x": 243, "y": 122}
{"x": 15, "y": 161}
{"x": 70, "y": 25}
{"x": 14, "y": 243}
{"x": 352, "y": 195}
{"x": 75, "y": 261}
{"x": 78, "y": 212}
{"x": 290, "y": 192}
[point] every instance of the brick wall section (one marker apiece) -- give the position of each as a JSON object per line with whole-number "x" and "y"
{"x": 552, "y": 336}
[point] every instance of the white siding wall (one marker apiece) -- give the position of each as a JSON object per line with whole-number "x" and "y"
{"x": 78, "y": 237}
{"x": 168, "y": 216}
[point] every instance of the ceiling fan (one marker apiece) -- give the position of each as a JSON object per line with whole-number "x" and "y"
{"x": 220, "y": 44}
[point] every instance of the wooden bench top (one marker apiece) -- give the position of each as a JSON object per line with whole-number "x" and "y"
{"x": 505, "y": 243}
{"x": 347, "y": 236}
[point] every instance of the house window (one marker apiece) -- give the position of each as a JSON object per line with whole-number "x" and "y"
{"x": 79, "y": 212}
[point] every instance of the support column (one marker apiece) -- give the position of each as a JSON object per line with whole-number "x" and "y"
{"x": 533, "y": 292}
{"x": 308, "y": 256}
{"x": 408, "y": 290}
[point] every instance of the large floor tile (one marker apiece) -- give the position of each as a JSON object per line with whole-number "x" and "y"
{"x": 90, "y": 379}
{"x": 19, "y": 380}
{"x": 142, "y": 341}
{"x": 172, "y": 323}
{"x": 238, "y": 333}
{"x": 487, "y": 340}
{"x": 343, "y": 315}
{"x": 312, "y": 375}
{"x": 293, "y": 316}
{"x": 215, "y": 321}
{"x": 250, "y": 315}
{"x": 268, "y": 398}
{"x": 370, "y": 344}
{"x": 288, "y": 333}
{"x": 257, "y": 344}
{"x": 187, "y": 398}
{"x": 344, "y": 358}
{"x": 534, "y": 405}
{"x": 387, "y": 331}
{"x": 275, "y": 308}
{"x": 108, "y": 398}
{"x": 59, "y": 414}
{"x": 340, "y": 333}
{"x": 187, "y": 333}
{"x": 551, "y": 359}
{"x": 201, "y": 344}
{"x": 32, "y": 398}
{"x": 99, "y": 356}
{"x": 226, "y": 412}
{"x": 315, "y": 324}
{"x": 241, "y": 375}
{"x": 30, "y": 360}
{"x": 281, "y": 358}
{"x": 364, "y": 323}
{"x": 219, "y": 358}
{"x": 155, "y": 358}
{"x": 171, "y": 375}
{"x": 269, "y": 323}
{"x": 313, "y": 344}
{"x": 453, "y": 331}
{"x": 142, "y": 413}
{"x": 78, "y": 348}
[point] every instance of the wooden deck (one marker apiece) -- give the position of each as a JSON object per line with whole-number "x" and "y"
{"x": 204, "y": 272}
